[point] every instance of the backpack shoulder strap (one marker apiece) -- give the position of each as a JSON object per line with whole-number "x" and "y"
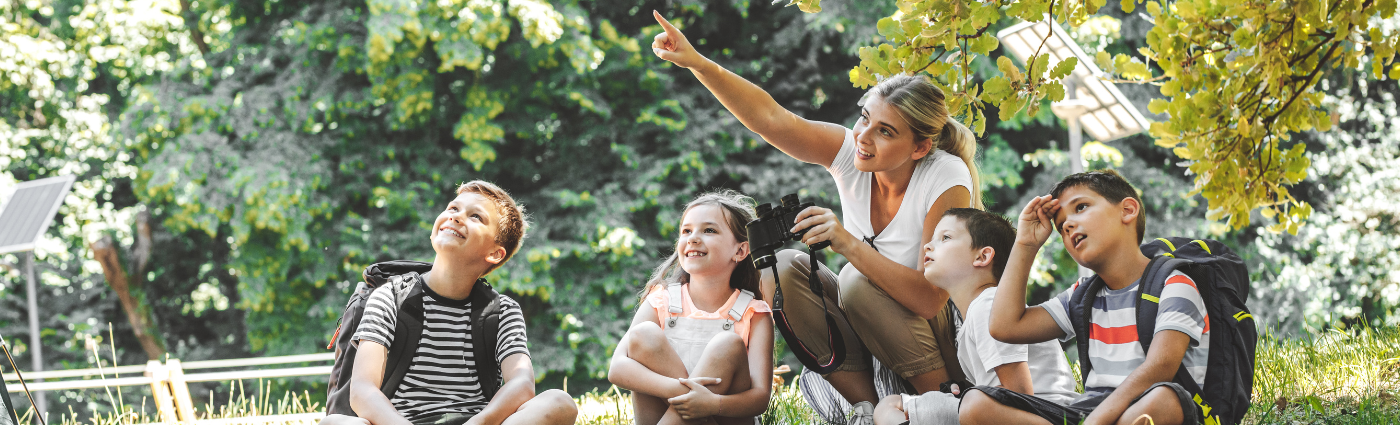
{"x": 1149, "y": 304}
{"x": 1149, "y": 300}
{"x": 486, "y": 324}
{"x": 1081, "y": 312}
{"x": 408, "y": 330}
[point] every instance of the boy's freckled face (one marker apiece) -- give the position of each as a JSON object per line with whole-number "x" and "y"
{"x": 466, "y": 226}
{"x": 1086, "y": 223}
{"x": 948, "y": 256}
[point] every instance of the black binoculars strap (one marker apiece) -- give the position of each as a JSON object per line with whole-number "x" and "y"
{"x": 833, "y": 334}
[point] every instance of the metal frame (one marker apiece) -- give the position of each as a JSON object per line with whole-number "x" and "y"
{"x": 48, "y": 218}
{"x": 1085, "y": 70}
{"x": 169, "y": 383}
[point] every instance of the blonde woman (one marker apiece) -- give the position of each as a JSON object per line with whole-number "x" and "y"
{"x": 902, "y": 164}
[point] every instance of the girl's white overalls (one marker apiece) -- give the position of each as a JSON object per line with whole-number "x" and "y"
{"x": 689, "y": 336}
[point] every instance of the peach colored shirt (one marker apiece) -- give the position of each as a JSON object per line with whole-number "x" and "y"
{"x": 659, "y": 299}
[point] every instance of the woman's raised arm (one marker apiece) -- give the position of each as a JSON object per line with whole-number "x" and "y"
{"x": 808, "y": 141}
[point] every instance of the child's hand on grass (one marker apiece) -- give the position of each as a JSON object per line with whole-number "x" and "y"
{"x": 699, "y": 402}
{"x": 1037, "y": 221}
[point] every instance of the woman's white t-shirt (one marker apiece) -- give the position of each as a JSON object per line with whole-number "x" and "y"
{"x": 902, "y": 240}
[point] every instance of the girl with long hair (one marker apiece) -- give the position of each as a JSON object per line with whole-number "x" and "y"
{"x": 903, "y": 163}
{"x": 700, "y": 348}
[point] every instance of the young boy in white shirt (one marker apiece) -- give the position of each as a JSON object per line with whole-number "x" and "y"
{"x": 966, "y": 256}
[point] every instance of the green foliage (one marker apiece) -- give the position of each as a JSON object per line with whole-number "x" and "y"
{"x": 314, "y": 138}
{"x": 67, "y": 70}
{"x": 1239, "y": 78}
{"x": 1345, "y": 266}
{"x": 328, "y": 138}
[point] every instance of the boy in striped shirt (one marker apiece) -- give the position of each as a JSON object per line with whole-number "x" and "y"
{"x": 476, "y": 233}
{"x": 1100, "y": 218}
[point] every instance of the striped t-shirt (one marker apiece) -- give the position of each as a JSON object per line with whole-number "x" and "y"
{"x": 1114, "y": 349}
{"x": 442, "y": 377}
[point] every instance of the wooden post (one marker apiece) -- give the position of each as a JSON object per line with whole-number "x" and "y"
{"x": 181, "y": 391}
{"x": 160, "y": 390}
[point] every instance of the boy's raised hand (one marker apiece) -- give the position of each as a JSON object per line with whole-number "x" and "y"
{"x": 672, "y": 46}
{"x": 1037, "y": 221}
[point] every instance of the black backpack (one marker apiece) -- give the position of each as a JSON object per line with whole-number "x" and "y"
{"x": 403, "y": 278}
{"x": 1223, "y": 281}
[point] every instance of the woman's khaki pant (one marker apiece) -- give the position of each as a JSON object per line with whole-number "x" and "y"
{"x": 870, "y": 322}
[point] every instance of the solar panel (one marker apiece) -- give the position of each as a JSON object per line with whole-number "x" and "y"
{"x": 30, "y": 210}
{"x": 8, "y": 416}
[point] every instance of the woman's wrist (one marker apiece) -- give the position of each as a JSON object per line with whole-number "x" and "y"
{"x": 841, "y": 242}
{"x": 706, "y": 67}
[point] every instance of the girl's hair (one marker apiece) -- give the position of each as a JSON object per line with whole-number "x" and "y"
{"x": 921, "y": 105}
{"x": 738, "y": 212}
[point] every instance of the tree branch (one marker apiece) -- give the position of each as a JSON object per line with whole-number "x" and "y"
{"x": 1296, "y": 93}
{"x": 192, "y": 23}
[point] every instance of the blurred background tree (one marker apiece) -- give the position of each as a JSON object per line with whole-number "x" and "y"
{"x": 280, "y": 147}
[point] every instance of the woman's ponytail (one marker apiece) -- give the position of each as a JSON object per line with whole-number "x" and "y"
{"x": 958, "y": 140}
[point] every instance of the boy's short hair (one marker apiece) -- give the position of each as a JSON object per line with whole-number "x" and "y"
{"x": 1108, "y": 184}
{"x": 510, "y": 231}
{"x": 988, "y": 229}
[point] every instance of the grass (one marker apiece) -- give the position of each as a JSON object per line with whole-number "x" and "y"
{"x": 240, "y": 404}
{"x": 1339, "y": 376}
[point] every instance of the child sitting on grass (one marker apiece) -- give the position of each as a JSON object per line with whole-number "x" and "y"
{"x": 1100, "y": 218}
{"x": 700, "y": 349}
{"x": 476, "y": 233}
{"x": 966, "y": 257}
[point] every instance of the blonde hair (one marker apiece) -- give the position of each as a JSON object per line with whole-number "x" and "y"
{"x": 921, "y": 105}
{"x": 738, "y": 212}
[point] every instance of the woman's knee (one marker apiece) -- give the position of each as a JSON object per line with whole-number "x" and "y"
{"x": 792, "y": 265}
{"x": 856, "y": 289}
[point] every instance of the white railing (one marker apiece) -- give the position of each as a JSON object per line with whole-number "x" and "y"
{"x": 169, "y": 383}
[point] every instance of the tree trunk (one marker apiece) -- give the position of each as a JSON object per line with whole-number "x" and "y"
{"x": 133, "y": 300}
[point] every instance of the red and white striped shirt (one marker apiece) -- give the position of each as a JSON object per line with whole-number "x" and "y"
{"x": 1114, "y": 349}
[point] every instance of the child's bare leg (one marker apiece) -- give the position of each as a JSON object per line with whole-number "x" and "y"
{"x": 726, "y": 358}
{"x": 978, "y": 408}
{"x": 890, "y": 411}
{"x": 553, "y": 407}
{"x": 1161, "y": 404}
{"x": 646, "y": 343}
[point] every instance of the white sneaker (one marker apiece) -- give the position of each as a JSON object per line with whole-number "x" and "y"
{"x": 862, "y": 413}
